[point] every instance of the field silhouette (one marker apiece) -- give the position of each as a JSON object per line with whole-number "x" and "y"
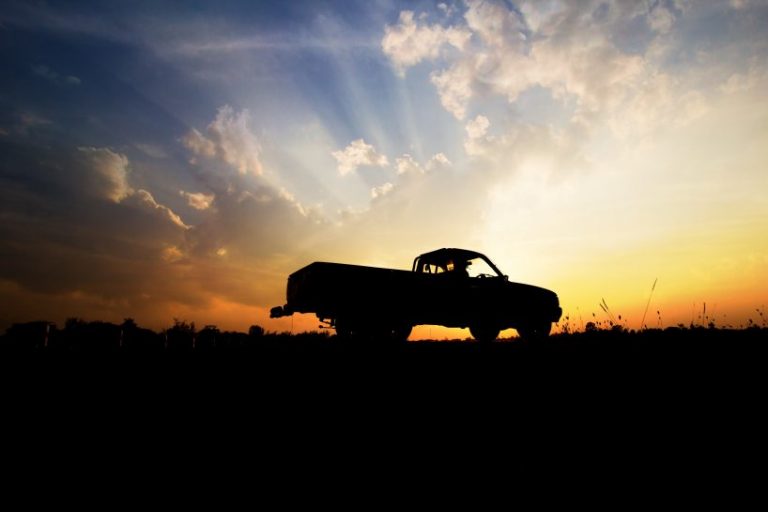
{"x": 96, "y": 337}
{"x": 662, "y": 403}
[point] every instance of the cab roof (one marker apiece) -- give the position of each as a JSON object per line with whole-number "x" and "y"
{"x": 441, "y": 256}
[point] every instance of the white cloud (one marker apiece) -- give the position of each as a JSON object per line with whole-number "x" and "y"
{"x": 146, "y": 202}
{"x": 662, "y": 102}
{"x": 454, "y": 86}
{"x": 495, "y": 24}
{"x": 107, "y": 174}
{"x": 356, "y": 154}
{"x": 438, "y": 160}
{"x": 407, "y": 165}
{"x": 198, "y": 200}
{"x": 477, "y": 127}
{"x": 229, "y": 139}
{"x": 382, "y": 190}
{"x": 476, "y": 134}
{"x": 407, "y": 43}
{"x": 199, "y": 145}
{"x": 557, "y": 46}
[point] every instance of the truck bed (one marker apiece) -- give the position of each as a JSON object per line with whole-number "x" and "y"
{"x": 328, "y": 288}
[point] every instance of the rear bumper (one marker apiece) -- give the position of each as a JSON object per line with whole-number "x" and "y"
{"x": 280, "y": 311}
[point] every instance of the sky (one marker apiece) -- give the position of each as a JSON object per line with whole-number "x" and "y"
{"x": 164, "y": 160}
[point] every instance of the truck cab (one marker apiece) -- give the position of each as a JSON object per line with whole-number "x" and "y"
{"x": 462, "y": 262}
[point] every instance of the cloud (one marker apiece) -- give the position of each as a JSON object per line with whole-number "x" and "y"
{"x": 80, "y": 228}
{"x": 661, "y": 19}
{"x": 454, "y": 86}
{"x": 152, "y": 150}
{"x": 198, "y": 200}
{"x": 356, "y": 154}
{"x": 476, "y": 132}
{"x": 551, "y": 45}
{"x": 496, "y": 25}
{"x": 438, "y": 160}
{"x": 477, "y": 127}
{"x": 406, "y": 44}
{"x": 107, "y": 175}
{"x": 446, "y": 9}
{"x": 601, "y": 63}
{"x": 254, "y": 224}
{"x": 53, "y": 76}
{"x": 409, "y": 171}
{"x": 741, "y": 82}
{"x": 28, "y": 121}
{"x": 172, "y": 254}
{"x": 146, "y": 202}
{"x": 228, "y": 138}
{"x": 407, "y": 165}
{"x": 377, "y": 192}
{"x": 83, "y": 225}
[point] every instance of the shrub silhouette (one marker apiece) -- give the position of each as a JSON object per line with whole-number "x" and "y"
{"x": 80, "y": 336}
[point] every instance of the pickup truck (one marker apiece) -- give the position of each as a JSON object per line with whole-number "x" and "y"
{"x": 449, "y": 287}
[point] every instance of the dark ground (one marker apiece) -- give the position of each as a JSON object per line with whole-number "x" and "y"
{"x": 648, "y": 409}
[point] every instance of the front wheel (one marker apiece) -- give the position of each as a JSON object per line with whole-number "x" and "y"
{"x": 534, "y": 332}
{"x": 484, "y": 333}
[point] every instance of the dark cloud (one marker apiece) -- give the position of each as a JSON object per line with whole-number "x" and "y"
{"x": 52, "y": 76}
{"x": 68, "y": 226}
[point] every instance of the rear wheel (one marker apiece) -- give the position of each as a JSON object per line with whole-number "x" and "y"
{"x": 484, "y": 333}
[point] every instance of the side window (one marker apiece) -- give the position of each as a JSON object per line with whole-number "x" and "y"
{"x": 426, "y": 268}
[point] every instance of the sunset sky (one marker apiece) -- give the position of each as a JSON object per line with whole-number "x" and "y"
{"x": 164, "y": 160}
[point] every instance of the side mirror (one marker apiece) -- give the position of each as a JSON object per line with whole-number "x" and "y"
{"x": 506, "y": 278}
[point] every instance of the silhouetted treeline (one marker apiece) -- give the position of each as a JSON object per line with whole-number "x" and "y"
{"x": 79, "y": 336}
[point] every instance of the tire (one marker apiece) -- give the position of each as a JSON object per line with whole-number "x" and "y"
{"x": 535, "y": 332}
{"x": 484, "y": 333}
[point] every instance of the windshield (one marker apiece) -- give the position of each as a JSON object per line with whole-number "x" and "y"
{"x": 478, "y": 266}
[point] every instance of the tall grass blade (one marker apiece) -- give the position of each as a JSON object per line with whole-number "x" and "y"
{"x": 642, "y": 322}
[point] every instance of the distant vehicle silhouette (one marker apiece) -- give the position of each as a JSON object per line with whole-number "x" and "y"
{"x": 449, "y": 287}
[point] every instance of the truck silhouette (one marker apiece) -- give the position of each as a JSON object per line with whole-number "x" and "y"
{"x": 449, "y": 287}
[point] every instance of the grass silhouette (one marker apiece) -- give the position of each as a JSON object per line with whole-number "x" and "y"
{"x": 597, "y": 337}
